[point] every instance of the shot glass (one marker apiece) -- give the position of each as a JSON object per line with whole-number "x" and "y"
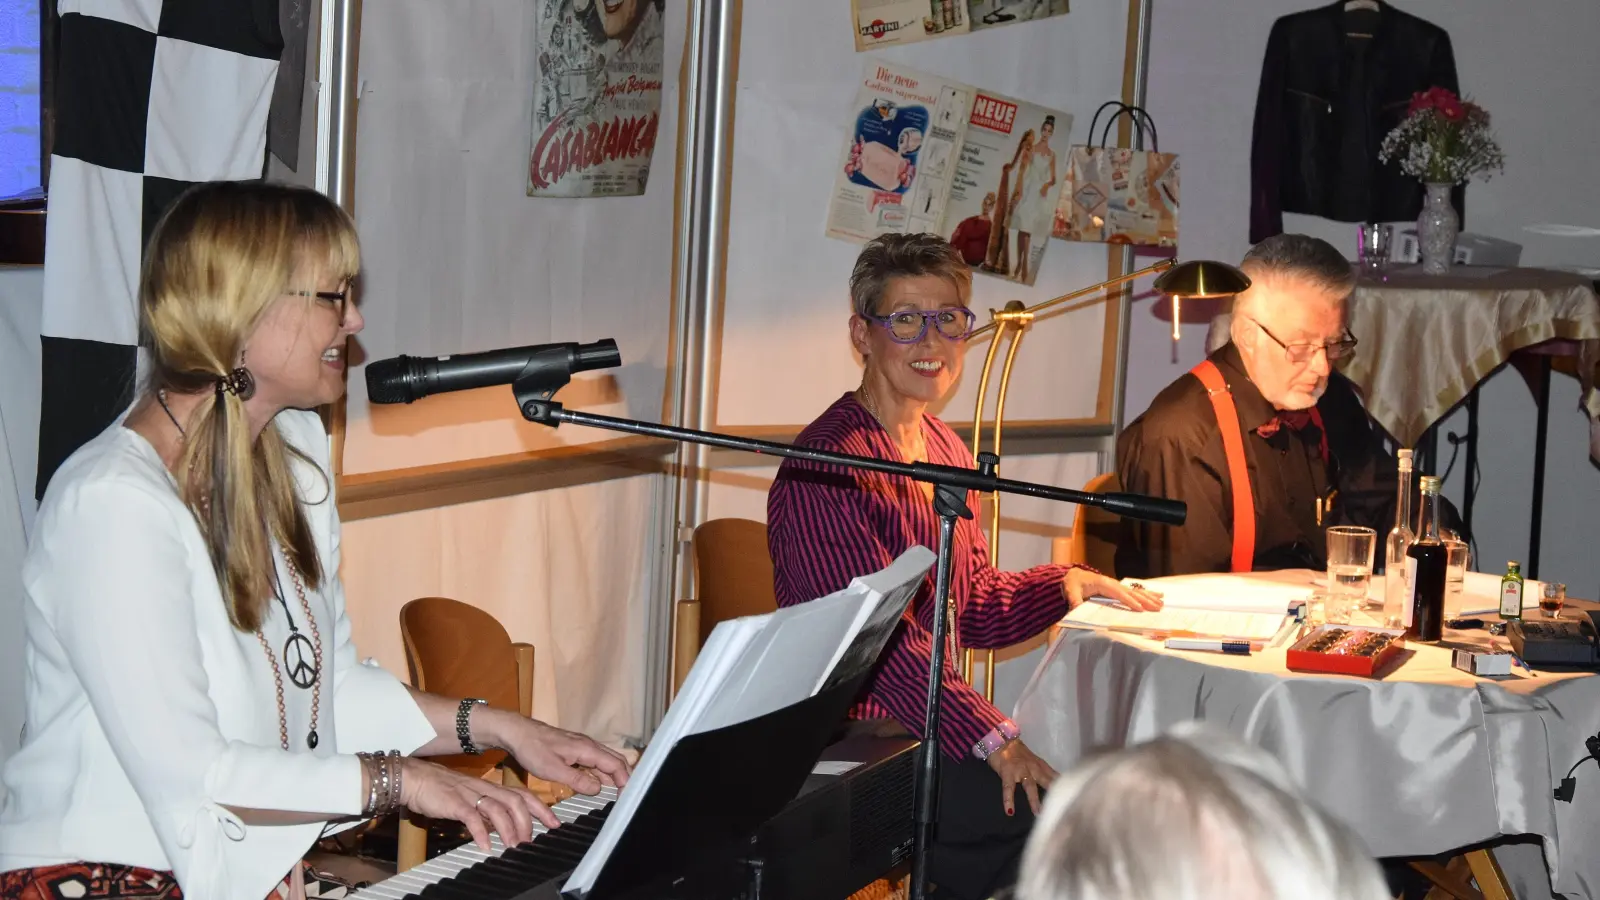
{"x": 1554, "y": 597}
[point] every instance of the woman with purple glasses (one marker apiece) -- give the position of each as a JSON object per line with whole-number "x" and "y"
{"x": 827, "y": 526}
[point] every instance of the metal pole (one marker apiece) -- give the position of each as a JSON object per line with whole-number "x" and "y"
{"x": 704, "y": 170}
{"x": 337, "y": 54}
{"x": 1141, "y": 79}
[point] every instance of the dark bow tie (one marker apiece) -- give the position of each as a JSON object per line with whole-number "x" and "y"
{"x": 1297, "y": 420}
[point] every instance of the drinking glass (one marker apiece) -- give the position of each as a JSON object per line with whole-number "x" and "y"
{"x": 1458, "y": 556}
{"x": 1555, "y": 597}
{"x": 1374, "y": 248}
{"x": 1350, "y": 549}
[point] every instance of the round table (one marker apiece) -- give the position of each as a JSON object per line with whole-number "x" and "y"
{"x": 1422, "y": 761}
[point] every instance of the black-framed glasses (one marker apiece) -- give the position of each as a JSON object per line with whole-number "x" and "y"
{"x": 907, "y": 326}
{"x": 339, "y": 300}
{"x": 1302, "y": 351}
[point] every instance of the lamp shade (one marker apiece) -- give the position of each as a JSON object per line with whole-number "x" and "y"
{"x": 1202, "y": 278}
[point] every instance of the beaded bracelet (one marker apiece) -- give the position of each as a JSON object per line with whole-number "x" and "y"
{"x": 383, "y": 782}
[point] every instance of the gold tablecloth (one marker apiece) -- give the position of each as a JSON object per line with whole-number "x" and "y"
{"x": 1427, "y": 340}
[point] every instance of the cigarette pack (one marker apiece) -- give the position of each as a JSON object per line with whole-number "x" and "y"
{"x": 1481, "y": 662}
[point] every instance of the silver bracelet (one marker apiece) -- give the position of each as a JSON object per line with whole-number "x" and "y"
{"x": 463, "y": 732}
{"x": 394, "y": 757}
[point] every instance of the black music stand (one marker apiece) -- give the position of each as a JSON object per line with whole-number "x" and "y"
{"x": 540, "y": 382}
{"x": 752, "y": 770}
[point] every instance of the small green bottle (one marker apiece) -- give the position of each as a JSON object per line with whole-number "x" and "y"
{"x": 1511, "y": 592}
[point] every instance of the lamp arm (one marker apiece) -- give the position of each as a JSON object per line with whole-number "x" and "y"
{"x": 1159, "y": 266}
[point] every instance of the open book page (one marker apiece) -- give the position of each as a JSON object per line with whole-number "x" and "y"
{"x": 721, "y": 652}
{"x": 1201, "y": 622}
{"x": 756, "y": 665}
{"x": 892, "y": 590}
{"x": 1224, "y": 591}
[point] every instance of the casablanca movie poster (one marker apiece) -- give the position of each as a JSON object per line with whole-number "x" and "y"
{"x": 596, "y": 97}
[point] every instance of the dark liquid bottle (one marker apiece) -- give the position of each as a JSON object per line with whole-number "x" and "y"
{"x": 1426, "y": 564}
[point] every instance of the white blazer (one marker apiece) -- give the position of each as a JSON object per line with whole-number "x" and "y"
{"x": 148, "y": 714}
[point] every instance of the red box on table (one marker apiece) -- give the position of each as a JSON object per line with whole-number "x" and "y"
{"x": 1301, "y": 659}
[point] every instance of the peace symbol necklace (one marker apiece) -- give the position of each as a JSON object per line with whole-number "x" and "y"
{"x": 294, "y": 656}
{"x": 296, "y": 646}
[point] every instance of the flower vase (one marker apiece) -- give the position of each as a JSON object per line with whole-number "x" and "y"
{"x": 1437, "y": 229}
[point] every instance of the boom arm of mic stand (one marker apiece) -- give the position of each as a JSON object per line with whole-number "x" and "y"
{"x": 1155, "y": 509}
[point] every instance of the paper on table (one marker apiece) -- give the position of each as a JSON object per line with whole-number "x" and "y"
{"x": 1255, "y": 626}
{"x": 1223, "y": 591}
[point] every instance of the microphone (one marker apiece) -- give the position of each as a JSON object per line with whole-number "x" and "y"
{"x": 1150, "y": 509}
{"x": 403, "y": 379}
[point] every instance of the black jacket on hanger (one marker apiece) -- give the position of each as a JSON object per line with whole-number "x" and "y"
{"x": 1326, "y": 101}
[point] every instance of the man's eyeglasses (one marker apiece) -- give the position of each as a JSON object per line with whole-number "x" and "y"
{"x": 1303, "y": 351}
{"x": 339, "y": 300}
{"x": 909, "y": 325}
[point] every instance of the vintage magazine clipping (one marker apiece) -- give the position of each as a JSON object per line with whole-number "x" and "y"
{"x": 596, "y": 97}
{"x": 1007, "y": 185}
{"x": 889, "y": 23}
{"x": 899, "y": 160}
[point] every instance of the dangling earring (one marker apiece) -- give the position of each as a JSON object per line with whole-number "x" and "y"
{"x": 239, "y": 382}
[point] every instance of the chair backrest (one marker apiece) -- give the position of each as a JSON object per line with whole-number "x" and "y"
{"x": 733, "y": 571}
{"x": 459, "y": 650}
{"x": 1095, "y": 531}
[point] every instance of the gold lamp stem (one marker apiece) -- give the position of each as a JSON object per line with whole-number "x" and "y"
{"x": 1012, "y": 322}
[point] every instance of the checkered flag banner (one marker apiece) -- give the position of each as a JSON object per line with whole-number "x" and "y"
{"x": 152, "y": 96}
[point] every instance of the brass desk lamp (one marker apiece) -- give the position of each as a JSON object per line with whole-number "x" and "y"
{"x": 1200, "y": 278}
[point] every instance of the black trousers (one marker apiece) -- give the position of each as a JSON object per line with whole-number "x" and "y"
{"x": 977, "y": 847}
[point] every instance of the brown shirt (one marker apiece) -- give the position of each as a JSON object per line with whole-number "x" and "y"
{"x": 1175, "y": 450}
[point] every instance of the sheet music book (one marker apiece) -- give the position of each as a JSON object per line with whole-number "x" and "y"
{"x": 1211, "y": 604}
{"x": 755, "y": 665}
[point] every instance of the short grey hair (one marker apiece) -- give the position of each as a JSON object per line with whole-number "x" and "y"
{"x": 892, "y": 256}
{"x": 1302, "y": 256}
{"x": 1194, "y": 815}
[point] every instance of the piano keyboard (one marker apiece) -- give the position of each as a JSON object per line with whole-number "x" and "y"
{"x": 504, "y": 873}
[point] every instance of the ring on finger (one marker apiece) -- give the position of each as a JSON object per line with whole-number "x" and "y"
{"x": 480, "y": 801}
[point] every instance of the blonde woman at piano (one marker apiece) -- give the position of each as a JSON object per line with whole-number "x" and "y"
{"x": 196, "y": 714}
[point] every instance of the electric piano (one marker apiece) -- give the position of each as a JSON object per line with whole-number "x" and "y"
{"x": 849, "y": 825}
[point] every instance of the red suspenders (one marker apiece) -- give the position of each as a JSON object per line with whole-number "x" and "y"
{"x": 1244, "y": 509}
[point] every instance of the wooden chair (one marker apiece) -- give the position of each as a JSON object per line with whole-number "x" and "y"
{"x": 733, "y": 575}
{"x": 459, "y": 650}
{"x": 1093, "y": 541}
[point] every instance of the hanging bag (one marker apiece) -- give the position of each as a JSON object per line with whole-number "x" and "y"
{"x": 1118, "y": 195}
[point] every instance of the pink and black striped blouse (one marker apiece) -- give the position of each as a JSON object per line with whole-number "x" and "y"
{"x": 826, "y": 526}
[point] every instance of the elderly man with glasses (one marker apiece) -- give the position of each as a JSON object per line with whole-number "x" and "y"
{"x": 1296, "y": 428}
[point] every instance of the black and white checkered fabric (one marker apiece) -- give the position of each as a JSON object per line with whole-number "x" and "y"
{"x": 151, "y": 97}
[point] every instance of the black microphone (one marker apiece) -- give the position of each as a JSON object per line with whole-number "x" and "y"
{"x": 1150, "y": 509}
{"x": 403, "y": 379}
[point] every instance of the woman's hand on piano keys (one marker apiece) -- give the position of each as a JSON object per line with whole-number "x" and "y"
{"x": 432, "y": 790}
{"x": 554, "y": 754}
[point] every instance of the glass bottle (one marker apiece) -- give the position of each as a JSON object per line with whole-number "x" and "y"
{"x": 1396, "y": 592}
{"x": 1511, "y": 592}
{"x": 1427, "y": 567}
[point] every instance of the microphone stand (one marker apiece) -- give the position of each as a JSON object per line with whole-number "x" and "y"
{"x": 950, "y": 483}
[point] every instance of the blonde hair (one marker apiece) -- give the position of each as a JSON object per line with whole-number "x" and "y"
{"x": 1194, "y": 815}
{"x": 217, "y": 260}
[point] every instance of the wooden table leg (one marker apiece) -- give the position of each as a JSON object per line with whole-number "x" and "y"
{"x": 1446, "y": 883}
{"x": 1486, "y": 870}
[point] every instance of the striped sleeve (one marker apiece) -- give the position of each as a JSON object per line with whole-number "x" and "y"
{"x": 1005, "y": 608}
{"x": 821, "y": 536}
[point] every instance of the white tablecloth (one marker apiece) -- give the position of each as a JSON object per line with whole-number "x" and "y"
{"x": 1424, "y": 761}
